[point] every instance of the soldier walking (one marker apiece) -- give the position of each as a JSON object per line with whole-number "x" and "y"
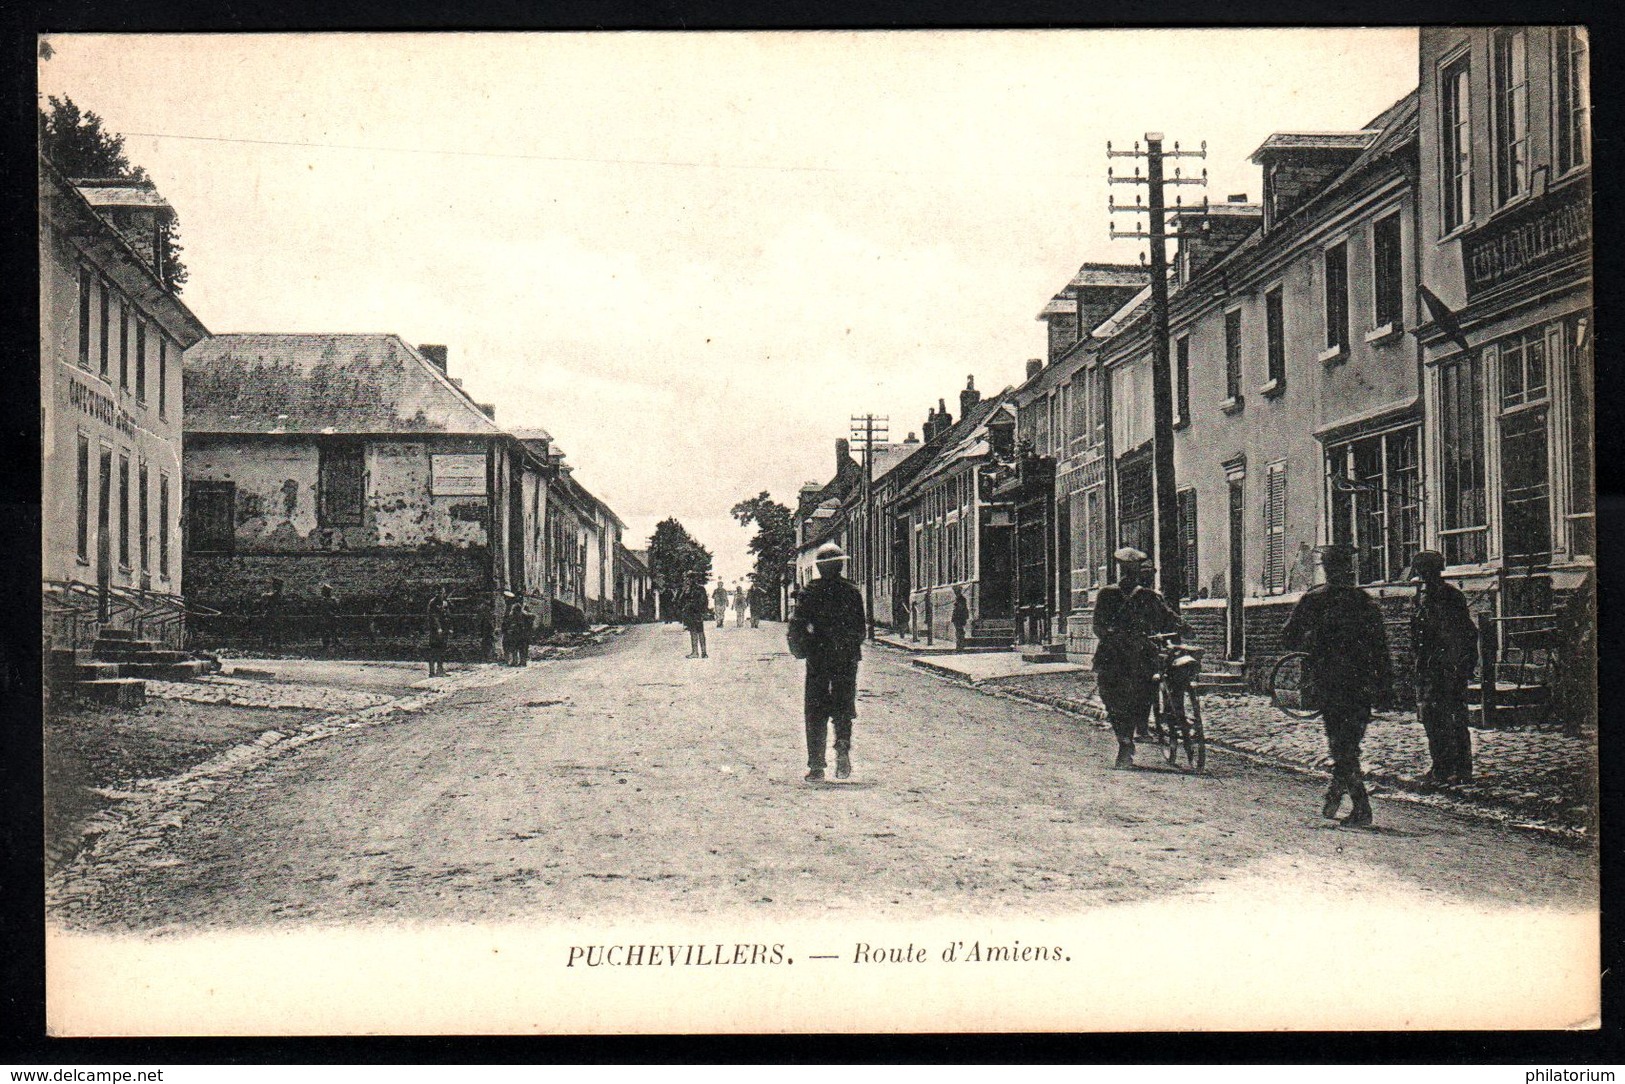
{"x": 739, "y": 606}
{"x": 827, "y": 630}
{"x": 439, "y": 631}
{"x": 692, "y": 610}
{"x": 719, "y": 602}
{"x": 1127, "y": 613}
{"x": 1446, "y": 644}
{"x": 1339, "y": 627}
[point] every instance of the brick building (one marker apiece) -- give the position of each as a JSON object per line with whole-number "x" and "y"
{"x": 112, "y": 332}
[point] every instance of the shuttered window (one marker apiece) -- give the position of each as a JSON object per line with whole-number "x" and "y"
{"x": 1187, "y": 539}
{"x": 1275, "y": 529}
{"x": 211, "y": 522}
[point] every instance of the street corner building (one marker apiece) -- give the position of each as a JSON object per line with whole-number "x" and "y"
{"x": 357, "y": 461}
{"x": 112, "y": 333}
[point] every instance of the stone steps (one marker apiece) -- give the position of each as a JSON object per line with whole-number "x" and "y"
{"x": 118, "y": 692}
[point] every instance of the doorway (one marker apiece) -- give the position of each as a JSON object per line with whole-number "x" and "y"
{"x": 1235, "y": 611}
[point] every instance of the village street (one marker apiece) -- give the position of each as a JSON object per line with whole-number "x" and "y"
{"x": 627, "y": 780}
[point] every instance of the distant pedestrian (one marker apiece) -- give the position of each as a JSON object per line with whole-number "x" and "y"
{"x": 269, "y": 610}
{"x": 960, "y": 616}
{"x": 827, "y": 630}
{"x": 1445, "y": 641}
{"x": 327, "y": 615}
{"x": 930, "y": 620}
{"x": 1127, "y": 614}
{"x": 740, "y": 602}
{"x": 719, "y": 602}
{"x": 439, "y": 631}
{"x": 1339, "y": 627}
{"x": 516, "y": 626}
{"x": 693, "y": 608}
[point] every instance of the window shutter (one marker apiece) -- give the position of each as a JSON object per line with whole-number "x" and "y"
{"x": 1275, "y": 528}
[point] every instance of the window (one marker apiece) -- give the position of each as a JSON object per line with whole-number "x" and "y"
{"x": 1187, "y": 539}
{"x": 1388, "y": 272}
{"x": 82, "y": 523}
{"x": 102, "y": 317}
{"x": 1182, "y": 380}
{"x": 1274, "y": 564}
{"x": 163, "y": 525}
{"x": 1523, "y": 369}
{"x": 1511, "y": 100}
{"x": 1337, "y": 298}
{"x": 142, "y": 521}
{"x": 1232, "y": 355}
{"x": 1375, "y": 490}
{"x": 123, "y": 345}
{"x": 211, "y": 517}
{"x": 140, "y": 359}
{"x": 1275, "y": 334}
{"x": 1455, "y": 145}
{"x": 84, "y": 318}
{"x": 1573, "y": 128}
{"x": 1135, "y": 516}
{"x": 163, "y": 373}
{"x": 1582, "y": 497}
{"x": 1525, "y": 490}
{"x": 124, "y": 511}
{"x": 1461, "y": 438}
{"x": 1096, "y": 507}
{"x": 343, "y": 488}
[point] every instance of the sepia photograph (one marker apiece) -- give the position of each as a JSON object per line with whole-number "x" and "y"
{"x": 650, "y": 533}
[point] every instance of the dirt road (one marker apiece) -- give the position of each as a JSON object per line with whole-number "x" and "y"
{"x": 630, "y": 781}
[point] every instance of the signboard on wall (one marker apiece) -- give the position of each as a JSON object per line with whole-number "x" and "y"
{"x": 1532, "y": 239}
{"x": 457, "y": 475}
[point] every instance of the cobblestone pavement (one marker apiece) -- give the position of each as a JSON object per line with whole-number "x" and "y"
{"x": 1529, "y": 776}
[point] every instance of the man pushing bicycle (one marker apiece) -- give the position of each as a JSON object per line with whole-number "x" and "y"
{"x": 1127, "y": 615}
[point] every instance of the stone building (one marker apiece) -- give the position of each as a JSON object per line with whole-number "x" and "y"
{"x": 1508, "y": 332}
{"x": 112, "y": 332}
{"x": 1296, "y": 398}
{"x": 355, "y": 461}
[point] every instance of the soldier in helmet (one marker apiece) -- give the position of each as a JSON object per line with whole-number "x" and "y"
{"x": 1127, "y": 613}
{"x": 1445, "y": 640}
{"x": 827, "y": 630}
{"x": 1339, "y": 627}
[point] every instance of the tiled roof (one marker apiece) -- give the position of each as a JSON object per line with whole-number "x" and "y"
{"x": 120, "y": 195}
{"x": 316, "y": 384}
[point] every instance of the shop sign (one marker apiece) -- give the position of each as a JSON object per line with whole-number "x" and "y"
{"x": 99, "y": 406}
{"x": 1528, "y": 241}
{"x": 457, "y": 475}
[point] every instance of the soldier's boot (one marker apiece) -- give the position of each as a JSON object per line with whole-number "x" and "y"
{"x": 843, "y": 760}
{"x": 1360, "y": 815}
{"x": 1125, "y": 755}
{"x": 1333, "y": 802}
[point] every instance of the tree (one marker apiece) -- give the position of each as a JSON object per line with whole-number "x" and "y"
{"x": 673, "y": 554}
{"x": 77, "y": 144}
{"x": 774, "y": 544}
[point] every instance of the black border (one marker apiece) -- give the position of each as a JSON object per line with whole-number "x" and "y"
{"x": 22, "y": 1037}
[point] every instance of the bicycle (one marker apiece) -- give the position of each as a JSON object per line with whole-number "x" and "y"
{"x": 1177, "y": 721}
{"x": 1291, "y": 691}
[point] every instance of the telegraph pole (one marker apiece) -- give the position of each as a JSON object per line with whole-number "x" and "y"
{"x": 867, "y": 428}
{"x": 1170, "y": 550}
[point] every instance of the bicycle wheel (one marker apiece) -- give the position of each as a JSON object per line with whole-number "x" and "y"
{"x": 1169, "y": 722}
{"x": 1290, "y": 691}
{"x": 1195, "y": 736}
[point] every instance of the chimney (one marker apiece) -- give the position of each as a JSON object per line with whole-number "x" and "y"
{"x": 843, "y": 455}
{"x": 1238, "y": 197}
{"x": 1034, "y": 367}
{"x": 435, "y": 353}
{"x": 137, "y": 212}
{"x": 488, "y": 409}
{"x": 969, "y": 397}
{"x": 912, "y": 439}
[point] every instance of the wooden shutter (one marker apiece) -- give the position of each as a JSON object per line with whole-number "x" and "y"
{"x": 1275, "y": 528}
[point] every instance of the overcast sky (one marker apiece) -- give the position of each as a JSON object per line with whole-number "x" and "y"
{"x": 690, "y": 257}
